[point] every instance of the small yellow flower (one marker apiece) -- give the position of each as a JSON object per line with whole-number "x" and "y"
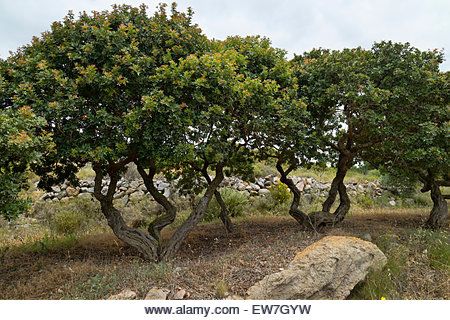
{"x": 383, "y": 298}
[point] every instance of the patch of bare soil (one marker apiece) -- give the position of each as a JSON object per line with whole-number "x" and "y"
{"x": 209, "y": 262}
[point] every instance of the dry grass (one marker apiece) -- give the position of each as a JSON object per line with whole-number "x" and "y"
{"x": 211, "y": 262}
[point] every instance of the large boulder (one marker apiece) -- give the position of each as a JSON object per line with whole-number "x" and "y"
{"x": 327, "y": 269}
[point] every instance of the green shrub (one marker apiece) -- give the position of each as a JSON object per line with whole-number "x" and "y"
{"x": 70, "y": 216}
{"x": 365, "y": 201}
{"x": 67, "y": 222}
{"x": 235, "y": 202}
{"x": 422, "y": 200}
{"x": 280, "y": 193}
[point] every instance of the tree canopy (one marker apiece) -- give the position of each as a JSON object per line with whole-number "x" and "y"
{"x": 117, "y": 87}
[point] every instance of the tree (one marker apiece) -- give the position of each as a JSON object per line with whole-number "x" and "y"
{"x": 22, "y": 142}
{"x": 92, "y": 78}
{"x": 419, "y": 145}
{"x": 120, "y": 87}
{"x": 347, "y": 115}
{"x": 280, "y": 128}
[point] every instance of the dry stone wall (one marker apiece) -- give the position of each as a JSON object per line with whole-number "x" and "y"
{"x": 127, "y": 190}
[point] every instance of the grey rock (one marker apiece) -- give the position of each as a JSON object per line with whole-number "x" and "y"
{"x": 125, "y": 294}
{"x": 72, "y": 192}
{"x": 254, "y": 186}
{"x": 327, "y": 269}
{"x": 157, "y": 294}
{"x": 263, "y": 192}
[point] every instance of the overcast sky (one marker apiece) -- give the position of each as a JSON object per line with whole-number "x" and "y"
{"x": 296, "y": 26}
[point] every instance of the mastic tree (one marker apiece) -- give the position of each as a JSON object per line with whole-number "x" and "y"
{"x": 22, "y": 141}
{"x": 419, "y": 146}
{"x": 225, "y": 93}
{"x": 278, "y": 129}
{"x": 347, "y": 115}
{"x": 93, "y": 79}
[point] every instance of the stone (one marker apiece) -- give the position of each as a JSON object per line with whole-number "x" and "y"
{"x": 307, "y": 187}
{"x": 260, "y": 182}
{"x": 136, "y": 195}
{"x": 157, "y": 294}
{"x": 134, "y": 184}
{"x": 56, "y": 189}
{"x": 180, "y": 294}
{"x": 263, "y": 192}
{"x": 163, "y": 185}
{"x": 234, "y": 297}
{"x": 167, "y": 192}
{"x": 119, "y": 195}
{"x": 240, "y": 186}
{"x": 125, "y": 200}
{"x": 328, "y": 269}
{"x": 125, "y": 294}
{"x": 254, "y": 186}
{"x": 300, "y": 185}
{"x": 72, "y": 192}
{"x": 392, "y": 203}
{"x": 62, "y": 194}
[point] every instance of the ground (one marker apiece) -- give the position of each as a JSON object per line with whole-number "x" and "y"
{"x": 212, "y": 263}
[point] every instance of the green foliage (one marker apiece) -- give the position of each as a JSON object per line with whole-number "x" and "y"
{"x": 399, "y": 185}
{"x": 365, "y": 201}
{"x": 50, "y": 243}
{"x": 280, "y": 193}
{"x": 66, "y": 222}
{"x": 69, "y": 217}
{"x": 22, "y": 142}
{"x": 418, "y": 96}
{"x": 95, "y": 70}
{"x": 436, "y": 245}
{"x": 235, "y": 201}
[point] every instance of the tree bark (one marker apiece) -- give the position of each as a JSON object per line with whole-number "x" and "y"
{"x": 135, "y": 238}
{"x": 344, "y": 204}
{"x": 160, "y": 222}
{"x": 224, "y": 214}
{"x": 181, "y": 233}
{"x": 294, "y": 209}
{"x": 344, "y": 163}
{"x": 439, "y": 213}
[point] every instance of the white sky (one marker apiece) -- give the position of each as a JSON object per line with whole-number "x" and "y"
{"x": 296, "y": 26}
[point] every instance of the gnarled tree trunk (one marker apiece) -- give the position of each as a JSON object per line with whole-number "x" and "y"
{"x": 135, "y": 238}
{"x": 337, "y": 185}
{"x": 224, "y": 214}
{"x": 155, "y": 227}
{"x": 181, "y": 233}
{"x": 439, "y": 213}
{"x": 294, "y": 210}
